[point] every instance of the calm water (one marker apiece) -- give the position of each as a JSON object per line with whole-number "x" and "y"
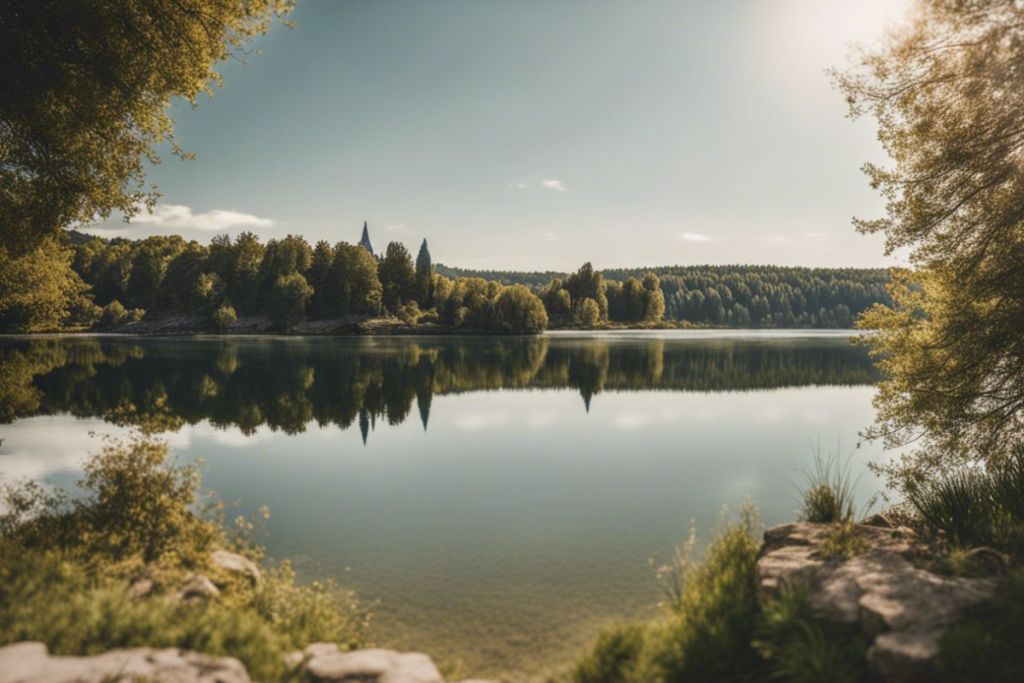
{"x": 502, "y": 498}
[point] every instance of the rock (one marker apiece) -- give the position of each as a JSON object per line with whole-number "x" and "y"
{"x": 294, "y": 659}
{"x": 31, "y": 663}
{"x": 141, "y": 588}
{"x": 236, "y": 564}
{"x": 328, "y": 664}
{"x": 903, "y": 609}
{"x": 198, "y": 588}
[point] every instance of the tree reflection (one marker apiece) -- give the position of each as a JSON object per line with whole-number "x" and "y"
{"x": 287, "y": 384}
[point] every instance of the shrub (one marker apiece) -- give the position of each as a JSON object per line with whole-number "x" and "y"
{"x": 976, "y": 507}
{"x": 115, "y": 314}
{"x": 408, "y": 313}
{"x": 798, "y": 648}
{"x": 614, "y": 658}
{"x": 223, "y": 318}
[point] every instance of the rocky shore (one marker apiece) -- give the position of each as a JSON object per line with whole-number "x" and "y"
{"x": 878, "y": 594}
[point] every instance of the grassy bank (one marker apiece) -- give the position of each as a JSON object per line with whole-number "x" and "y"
{"x": 107, "y": 570}
{"x": 970, "y": 523}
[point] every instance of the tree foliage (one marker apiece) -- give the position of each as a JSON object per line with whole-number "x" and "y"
{"x": 947, "y": 92}
{"x": 40, "y": 292}
{"x": 84, "y": 97}
{"x": 721, "y": 296}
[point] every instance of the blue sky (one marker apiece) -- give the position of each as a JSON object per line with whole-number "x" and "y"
{"x": 536, "y": 134}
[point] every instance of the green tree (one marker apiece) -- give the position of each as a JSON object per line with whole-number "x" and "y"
{"x": 947, "y": 92}
{"x": 397, "y": 276}
{"x": 289, "y": 298}
{"x": 424, "y": 276}
{"x": 519, "y": 311}
{"x": 589, "y": 313}
{"x": 319, "y": 278}
{"x": 38, "y": 289}
{"x": 653, "y": 298}
{"x": 84, "y": 99}
{"x": 587, "y": 283}
{"x": 355, "y": 285}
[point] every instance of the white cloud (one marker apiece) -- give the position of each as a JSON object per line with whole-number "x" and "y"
{"x": 180, "y": 216}
{"x": 519, "y": 185}
{"x": 556, "y": 185}
{"x": 551, "y": 237}
{"x": 694, "y": 237}
{"x": 815, "y": 234}
{"x": 773, "y": 239}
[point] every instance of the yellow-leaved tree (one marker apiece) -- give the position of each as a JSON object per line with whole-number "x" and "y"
{"x": 84, "y": 94}
{"x": 947, "y": 91}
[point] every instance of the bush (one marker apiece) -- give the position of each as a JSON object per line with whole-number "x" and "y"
{"x": 65, "y": 568}
{"x": 223, "y": 318}
{"x": 614, "y": 658}
{"x": 115, "y": 314}
{"x": 408, "y": 313}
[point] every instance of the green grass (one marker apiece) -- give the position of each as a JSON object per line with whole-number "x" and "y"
{"x": 799, "y": 649}
{"x": 713, "y": 629}
{"x": 843, "y": 542}
{"x": 976, "y": 507}
{"x": 709, "y": 626}
{"x": 66, "y": 566}
{"x": 828, "y": 493}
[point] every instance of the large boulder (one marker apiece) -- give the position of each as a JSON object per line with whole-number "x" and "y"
{"x": 32, "y": 663}
{"x": 325, "y": 663}
{"x": 902, "y": 609}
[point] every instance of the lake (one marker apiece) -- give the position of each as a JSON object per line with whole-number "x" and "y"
{"x": 500, "y": 498}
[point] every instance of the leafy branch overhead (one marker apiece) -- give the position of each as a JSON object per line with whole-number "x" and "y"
{"x": 84, "y": 97}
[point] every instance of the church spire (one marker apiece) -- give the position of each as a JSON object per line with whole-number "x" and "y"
{"x": 364, "y": 241}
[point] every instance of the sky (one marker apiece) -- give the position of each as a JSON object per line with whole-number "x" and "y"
{"x": 539, "y": 134}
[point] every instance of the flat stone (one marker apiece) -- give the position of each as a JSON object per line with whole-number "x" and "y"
{"x": 369, "y": 666}
{"x": 30, "y": 663}
{"x": 903, "y": 609}
{"x": 141, "y": 588}
{"x": 236, "y": 564}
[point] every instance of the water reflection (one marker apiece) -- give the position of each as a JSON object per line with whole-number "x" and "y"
{"x": 287, "y": 384}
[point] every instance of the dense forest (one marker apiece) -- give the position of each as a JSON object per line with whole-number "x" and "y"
{"x": 733, "y": 296}
{"x": 107, "y": 283}
{"x": 87, "y": 282}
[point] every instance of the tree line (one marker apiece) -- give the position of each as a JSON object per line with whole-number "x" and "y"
{"x": 107, "y": 283}
{"x": 731, "y": 296}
